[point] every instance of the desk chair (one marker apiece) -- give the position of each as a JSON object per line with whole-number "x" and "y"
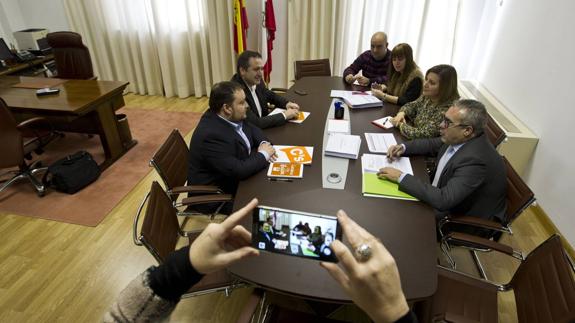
{"x": 17, "y": 142}
{"x": 72, "y": 57}
{"x": 315, "y": 67}
{"x": 171, "y": 163}
{"x": 519, "y": 197}
{"x": 160, "y": 232}
{"x": 543, "y": 286}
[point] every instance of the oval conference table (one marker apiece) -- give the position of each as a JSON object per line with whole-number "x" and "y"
{"x": 406, "y": 228}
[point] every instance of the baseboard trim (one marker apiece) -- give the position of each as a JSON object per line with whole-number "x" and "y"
{"x": 550, "y": 227}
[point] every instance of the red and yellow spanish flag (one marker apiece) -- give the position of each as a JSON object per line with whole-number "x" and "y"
{"x": 240, "y": 25}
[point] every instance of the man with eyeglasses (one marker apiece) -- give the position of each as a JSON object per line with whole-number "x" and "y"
{"x": 470, "y": 178}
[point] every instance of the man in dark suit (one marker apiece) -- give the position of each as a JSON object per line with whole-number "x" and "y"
{"x": 470, "y": 178}
{"x": 224, "y": 149}
{"x": 249, "y": 75}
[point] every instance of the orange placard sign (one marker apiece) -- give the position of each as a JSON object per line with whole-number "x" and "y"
{"x": 297, "y": 154}
{"x": 286, "y": 170}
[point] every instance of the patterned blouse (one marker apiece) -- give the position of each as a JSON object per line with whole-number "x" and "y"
{"x": 424, "y": 118}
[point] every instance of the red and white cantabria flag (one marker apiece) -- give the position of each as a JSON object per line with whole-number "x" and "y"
{"x": 268, "y": 35}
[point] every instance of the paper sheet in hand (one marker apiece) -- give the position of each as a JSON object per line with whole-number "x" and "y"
{"x": 379, "y": 142}
{"x": 372, "y": 163}
{"x": 301, "y": 117}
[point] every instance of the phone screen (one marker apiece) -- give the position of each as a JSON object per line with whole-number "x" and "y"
{"x": 295, "y": 233}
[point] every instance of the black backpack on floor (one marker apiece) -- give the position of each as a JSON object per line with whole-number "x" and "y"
{"x": 72, "y": 173}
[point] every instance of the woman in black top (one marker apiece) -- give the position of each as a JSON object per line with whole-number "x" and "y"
{"x": 405, "y": 79}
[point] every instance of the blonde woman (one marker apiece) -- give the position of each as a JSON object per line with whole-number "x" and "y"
{"x": 405, "y": 78}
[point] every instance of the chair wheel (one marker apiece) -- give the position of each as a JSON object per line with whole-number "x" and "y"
{"x": 41, "y": 193}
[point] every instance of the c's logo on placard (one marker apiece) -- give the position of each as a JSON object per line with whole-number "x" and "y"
{"x": 297, "y": 154}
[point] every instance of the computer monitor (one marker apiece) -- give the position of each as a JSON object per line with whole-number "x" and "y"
{"x": 5, "y": 53}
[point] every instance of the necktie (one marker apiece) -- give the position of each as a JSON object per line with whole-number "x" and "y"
{"x": 442, "y": 162}
{"x": 244, "y": 137}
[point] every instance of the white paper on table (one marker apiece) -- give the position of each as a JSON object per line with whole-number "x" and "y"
{"x": 379, "y": 142}
{"x": 340, "y": 126}
{"x": 373, "y": 163}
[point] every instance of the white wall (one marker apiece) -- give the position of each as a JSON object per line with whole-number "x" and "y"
{"x": 528, "y": 64}
{"x": 23, "y": 14}
{"x": 47, "y": 14}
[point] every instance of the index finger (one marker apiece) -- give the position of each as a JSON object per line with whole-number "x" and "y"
{"x": 354, "y": 233}
{"x": 231, "y": 221}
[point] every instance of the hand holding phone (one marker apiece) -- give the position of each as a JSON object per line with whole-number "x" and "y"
{"x": 295, "y": 233}
{"x": 47, "y": 91}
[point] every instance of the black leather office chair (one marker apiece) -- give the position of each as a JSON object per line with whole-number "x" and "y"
{"x": 17, "y": 142}
{"x": 72, "y": 57}
{"x": 171, "y": 163}
{"x": 160, "y": 232}
{"x": 313, "y": 67}
{"x": 519, "y": 196}
{"x": 543, "y": 286}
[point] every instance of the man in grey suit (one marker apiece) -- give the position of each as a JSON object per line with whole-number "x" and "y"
{"x": 470, "y": 178}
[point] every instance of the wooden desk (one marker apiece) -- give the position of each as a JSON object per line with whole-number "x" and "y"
{"x": 407, "y": 228}
{"x": 84, "y": 106}
{"x": 24, "y": 65}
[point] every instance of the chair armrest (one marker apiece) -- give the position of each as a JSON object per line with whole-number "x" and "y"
{"x": 200, "y": 189}
{"x": 26, "y": 124}
{"x": 474, "y": 221}
{"x": 249, "y": 309}
{"x": 444, "y": 272}
{"x": 279, "y": 89}
{"x": 471, "y": 241}
{"x": 203, "y": 199}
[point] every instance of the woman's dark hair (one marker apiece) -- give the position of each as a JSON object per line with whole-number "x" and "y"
{"x": 396, "y": 78}
{"x": 447, "y": 82}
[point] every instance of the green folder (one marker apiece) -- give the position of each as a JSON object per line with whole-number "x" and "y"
{"x": 375, "y": 187}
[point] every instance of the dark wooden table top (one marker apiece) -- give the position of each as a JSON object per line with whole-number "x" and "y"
{"x": 76, "y": 97}
{"x": 406, "y": 228}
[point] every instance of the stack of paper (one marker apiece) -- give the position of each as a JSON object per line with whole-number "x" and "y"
{"x": 342, "y": 145}
{"x": 375, "y": 187}
{"x": 294, "y": 154}
{"x": 357, "y": 99}
{"x": 379, "y": 142}
{"x": 341, "y": 126}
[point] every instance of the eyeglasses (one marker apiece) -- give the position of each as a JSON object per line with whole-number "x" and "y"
{"x": 446, "y": 123}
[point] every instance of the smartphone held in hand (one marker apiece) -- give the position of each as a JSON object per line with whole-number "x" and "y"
{"x": 295, "y": 233}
